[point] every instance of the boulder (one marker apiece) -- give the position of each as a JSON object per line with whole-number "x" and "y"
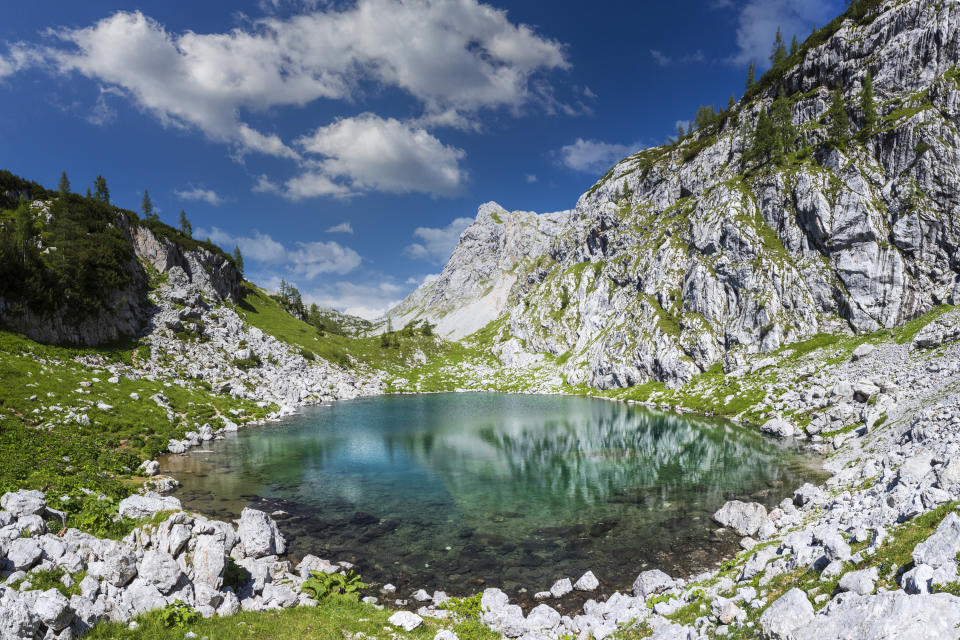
{"x": 860, "y": 582}
{"x": 24, "y": 503}
{"x": 147, "y": 506}
{"x": 789, "y": 612}
{"x": 23, "y": 553}
{"x": 884, "y": 616}
{"x": 159, "y": 569}
{"x": 778, "y": 427}
{"x": 862, "y": 351}
{"x": 940, "y": 549}
{"x": 209, "y": 560}
{"x": 651, "y": 582}
{"x": 259, "y": 534}
{"x": 405, "y": 620}
{"x": 587, "y": 582}
{"x": 53, "y": 609}
{"x": 17, "y": 620}
{"x": 542, "y": 618}
{"x": 917, "y": 580}
{"x": 561, "y": 588}
{"x": 743, "y": 517}
{"x": 311, "y": 563}
{"x": 118, "y": 567}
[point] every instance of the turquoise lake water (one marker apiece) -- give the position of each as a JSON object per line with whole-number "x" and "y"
{"x": 455, "y": 491}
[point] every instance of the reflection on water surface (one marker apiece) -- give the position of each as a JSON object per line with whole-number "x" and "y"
{"x": 448, "y": 490}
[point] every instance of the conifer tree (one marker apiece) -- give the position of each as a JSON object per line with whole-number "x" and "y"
{"x": 868, "y": 106}
{"x": 238, "y": 259}
{"x": 64, "y": 187}
{"x": 838, "y": 129}
{"x": 100, "y": 189}
{"x": 779, "y": 53}
{"x": 146, "y": 205}
{"x": 751, "y": 76}
{"x": 680, "y": 132}
{"x": 24, "y": 230}
{"x": 786, "y": 132}
{"x": 185, "y": 227}
{"x": 732, "y": 103}
{"x": 765, "y": 138}
{"x": 794, "y": 46}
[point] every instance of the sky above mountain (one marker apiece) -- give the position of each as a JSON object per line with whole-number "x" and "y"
{"x": 345, "y": 145}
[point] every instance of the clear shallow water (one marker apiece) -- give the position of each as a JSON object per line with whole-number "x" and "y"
{"x": 456, "y": 490}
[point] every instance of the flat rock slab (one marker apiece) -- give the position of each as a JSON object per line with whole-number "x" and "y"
{"x": 885, "y": 616}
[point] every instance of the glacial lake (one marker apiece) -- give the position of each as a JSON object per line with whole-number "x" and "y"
{"x": 460, "y": 491}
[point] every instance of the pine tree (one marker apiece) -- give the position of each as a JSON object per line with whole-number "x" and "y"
{"x": 765, "y": 138}
{"x": 732, "y": 103}
{"x": 185, "y": 227}
{"x": 680, "y": 132}
{"x": 786, "y": 132}
{"x": 64, "y": 187}
{"x": 794, "y": 46}
{"x": 88, "y": 193}
{"x": 779, "y": 53}
{"x": 751, "y": 76}
{"x": 100, "y": 189}
{"x": 24, "y": 230}
{"x": 838, "y": 130}
{"x": 146, "y": 205}
{"x": 238, "y": 259}
{"x": 868, "y": 106}
{"x": 705, "y": 117}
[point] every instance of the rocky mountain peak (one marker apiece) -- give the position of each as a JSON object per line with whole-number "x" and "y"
{"x": 699, "y": 251}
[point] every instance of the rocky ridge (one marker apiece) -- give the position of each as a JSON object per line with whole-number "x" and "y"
{"x": 688, "y": 254}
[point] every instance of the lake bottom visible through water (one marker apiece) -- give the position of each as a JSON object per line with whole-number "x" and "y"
{"x": 463, "y": 491}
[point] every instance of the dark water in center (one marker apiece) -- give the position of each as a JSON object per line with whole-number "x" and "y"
{"x": 454, "y": 491}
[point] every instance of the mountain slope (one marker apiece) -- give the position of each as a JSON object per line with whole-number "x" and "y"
{"x": 697, "y": 252}
{"x": 473, "y": 288}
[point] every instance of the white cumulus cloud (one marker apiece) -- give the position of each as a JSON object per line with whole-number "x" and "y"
{"x": 196, "y": 193}
{"x": 384, "y": 154}
{"x": 366, "y": 300}
{"x": 452, "y": 57}
{"x": 306, "y": 259}
{"x": 592, "y": 156}
{"x": 436, "y": 244}
{"x": 343, "y": 227}
{"x": 758, "y": 21}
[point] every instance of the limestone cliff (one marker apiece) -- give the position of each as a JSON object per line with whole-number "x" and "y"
{"x": 689, "y": 254}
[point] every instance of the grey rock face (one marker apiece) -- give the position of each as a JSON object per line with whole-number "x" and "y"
{"x": 859, "y": 582}
{"x": 259, "y": 534}
{"x": 940, "y": 549}
{"x": 651, "y": 582}
{"x": 405, "y": 620}
{"x": 147, "y": 506}
{"x": 787, "y": 614}
{"x": 53, "y": 609}
{"x": 885, "y": 616}
{"x": 23, "y": 503}
{"x": 159, "y": 569}
{"x": 743, "y": 517}
{"x": 674, "y": 261}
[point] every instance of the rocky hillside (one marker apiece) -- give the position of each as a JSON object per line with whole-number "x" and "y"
{"x": 697, "y": 252}
{"x": 475, "y": 286}
{"x": 76, "y": 270}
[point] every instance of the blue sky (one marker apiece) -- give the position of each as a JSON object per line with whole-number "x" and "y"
{"x": 345, "y": 145}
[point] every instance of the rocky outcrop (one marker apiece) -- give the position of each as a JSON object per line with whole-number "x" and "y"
{"x": 212, "y": 273}
{"x": 183, "y": 558}
{"x": 687, "y": 255}
{"x": 474, "y": 287}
